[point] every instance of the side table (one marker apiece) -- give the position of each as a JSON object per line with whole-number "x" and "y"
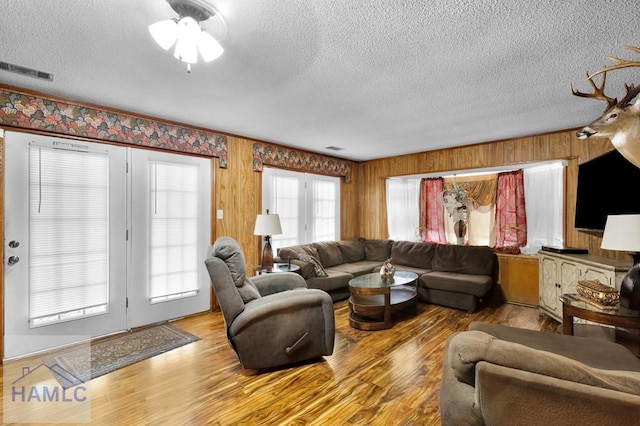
{"x": 573, "y": 306}
{"x": 277, "y": 267}
{"x": 627, "y": 320}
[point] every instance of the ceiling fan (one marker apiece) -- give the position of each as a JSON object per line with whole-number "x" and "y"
{"x": 186, "y": 34}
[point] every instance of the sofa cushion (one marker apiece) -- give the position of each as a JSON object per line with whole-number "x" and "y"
{"x": 379, "y": 250}
{"x": 478, "y": 285}
{"x": 352, "y": 250}
{"x": 357, "y": 268}
{"x": 229, "y": 251}
{"x": 477, "y": 260}
{"x": 418, "y": 271}
{"x": 317, "y": 266}
{"x": 411, "y": 253}
{"x": 334, "y": 281}
{"x": 285, "y": 253}
{"x": 329, "y": 253}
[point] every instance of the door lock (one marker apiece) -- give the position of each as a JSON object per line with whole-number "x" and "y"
{"x": 14, "y": 244}
{"x": 13, "y": 260}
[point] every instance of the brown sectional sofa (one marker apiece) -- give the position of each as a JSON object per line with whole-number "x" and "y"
{"x": 449, "y": 275}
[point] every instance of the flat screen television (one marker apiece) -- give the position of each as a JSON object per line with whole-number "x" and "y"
{"x": 606, "y": 185}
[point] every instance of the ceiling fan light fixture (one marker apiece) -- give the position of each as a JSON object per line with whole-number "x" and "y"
{"x": 209, "y": 47}
{"x": 188, "y": 38}
{"x": 186, "y": 34}
{"x": 165, "y": 33}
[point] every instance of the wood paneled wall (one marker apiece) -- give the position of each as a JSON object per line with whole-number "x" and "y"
{"x": 238, "y": 193}
{"x": 370, "y": 176}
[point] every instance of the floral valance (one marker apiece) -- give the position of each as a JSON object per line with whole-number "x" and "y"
{"x": 273, "y": 155}
{"x": 29, "y": 111}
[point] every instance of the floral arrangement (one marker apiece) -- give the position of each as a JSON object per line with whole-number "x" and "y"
{"x": 387, "y": 270}
{"x": 457, "y": 202}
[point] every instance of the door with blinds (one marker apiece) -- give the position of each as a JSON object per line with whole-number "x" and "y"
{"x": 99, "y": 239}
{"x": 170, "y": 226}
{"x": 65, "y": 242}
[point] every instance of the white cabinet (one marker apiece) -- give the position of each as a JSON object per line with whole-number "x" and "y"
{"x": 559, "y": 274}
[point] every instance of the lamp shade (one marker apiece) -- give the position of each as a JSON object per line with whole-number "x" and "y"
{"x": 267, "y": 224}
{"x": 622, "y": 233}
{"x": 165, "y": 33}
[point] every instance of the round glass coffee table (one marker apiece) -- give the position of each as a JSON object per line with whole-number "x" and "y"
{"x": 373, "y": 300}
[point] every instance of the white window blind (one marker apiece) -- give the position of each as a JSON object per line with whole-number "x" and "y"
{"x": 173, "y": 231}
{"x": 68, "y": 233}
{"x": 285, "y": 201}
{"x": 324, "y": 199}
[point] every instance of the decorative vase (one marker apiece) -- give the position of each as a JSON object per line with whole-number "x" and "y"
{"x": 460, "y": 229}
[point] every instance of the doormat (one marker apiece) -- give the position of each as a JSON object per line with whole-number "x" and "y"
{"x": 77, "y": 366}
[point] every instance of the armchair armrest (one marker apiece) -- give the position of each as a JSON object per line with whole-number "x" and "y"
{"x": 276, "y": 282}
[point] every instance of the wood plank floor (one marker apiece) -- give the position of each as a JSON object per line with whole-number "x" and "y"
{"x": 389, "y": 377}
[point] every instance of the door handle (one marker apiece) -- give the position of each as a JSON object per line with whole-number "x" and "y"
{"x": 13, "y": 260}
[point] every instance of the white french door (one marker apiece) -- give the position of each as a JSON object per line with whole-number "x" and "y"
{"x": 65, "y": 242}
{"x": 171, "y": 233}
{"x": 99, "y": 239}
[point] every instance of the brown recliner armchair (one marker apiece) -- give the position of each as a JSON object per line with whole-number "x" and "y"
{"x": 272, "y": 319}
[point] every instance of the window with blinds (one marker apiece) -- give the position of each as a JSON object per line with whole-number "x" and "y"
{"x": 68, "y": 233}
{"x": 308, "y": 205}
{"x": 173, "y": 231}
{"x": 323, "y": 199}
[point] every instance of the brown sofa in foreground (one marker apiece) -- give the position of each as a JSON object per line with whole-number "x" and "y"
{"x": 499, "y": 375}
{"x": 456, "y": 276}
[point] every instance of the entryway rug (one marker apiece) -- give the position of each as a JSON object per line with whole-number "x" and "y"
{"x": 79, "y": 365}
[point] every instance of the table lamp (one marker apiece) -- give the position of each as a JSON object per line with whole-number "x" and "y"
{"x": 622, "y": 233}
{"x": 267, "y": 225}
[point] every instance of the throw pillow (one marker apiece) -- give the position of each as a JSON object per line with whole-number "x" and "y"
{"x": 320, "y": 272}
{"x": 307, "y": 270}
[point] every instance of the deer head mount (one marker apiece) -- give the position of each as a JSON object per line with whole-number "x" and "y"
{"x": 621, "y": 120}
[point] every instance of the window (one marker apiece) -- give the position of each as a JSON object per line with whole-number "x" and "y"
{"x": 308, "y": 205}
{"x": 543, "y": 194}
{"x": 68, "y": 235}
{"x": 544, "y": 199}
{"x": 173, "y": 231}
{"x": 403, "y": 213}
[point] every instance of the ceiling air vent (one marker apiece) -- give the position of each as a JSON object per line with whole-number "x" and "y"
{"x": 29, "y": 72}
{"x": 333, "y": 148}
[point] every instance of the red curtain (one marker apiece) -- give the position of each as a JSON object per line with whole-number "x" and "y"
{"x": 432, "y": 210}
{"x": 511, "y": 220}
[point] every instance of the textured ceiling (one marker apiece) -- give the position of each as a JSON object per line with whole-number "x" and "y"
{"x": 377, "y": 78}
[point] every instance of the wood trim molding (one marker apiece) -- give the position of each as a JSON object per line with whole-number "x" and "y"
{"x": 28, "y": 110}
{"x": 289, "y": 158}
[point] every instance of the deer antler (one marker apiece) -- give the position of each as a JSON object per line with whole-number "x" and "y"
{"x": 620, "y": 63}
{"x": 598, "y": 92}
{"x": 632, "y": 92}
